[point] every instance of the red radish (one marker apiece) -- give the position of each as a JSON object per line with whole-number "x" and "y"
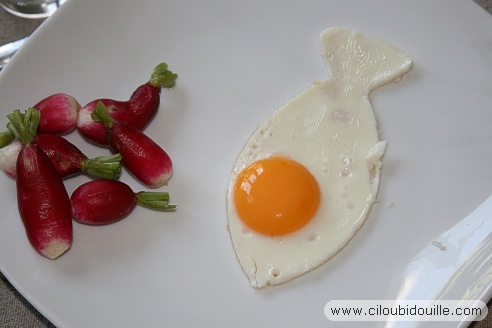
{"x": 106, "y": 201}
{"x": 59, "y": 114}
{"x": 145, "y": 159}
{"x": 67, "y": 158}
{"x": 138, "y": 111}
{"x": 44, "y": 204}
{"x": 8, "y": 158}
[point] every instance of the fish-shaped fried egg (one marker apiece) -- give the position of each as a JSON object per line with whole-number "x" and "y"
{"x": 307, "y": 177}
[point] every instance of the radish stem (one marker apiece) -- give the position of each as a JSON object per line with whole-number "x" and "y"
{"x": 24, "y": 126}
{"x": 104, "y": 167}
{"x": 154, "y": 200}
{"x": 101, "y": 114}
{"x": 6, "y": 138}
{"x": 162, "y": 77}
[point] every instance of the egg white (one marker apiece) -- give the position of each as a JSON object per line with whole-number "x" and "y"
{"x": 331, "y": 129}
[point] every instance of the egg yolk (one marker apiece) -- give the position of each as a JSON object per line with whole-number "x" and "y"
{"x": 276, "y": 196}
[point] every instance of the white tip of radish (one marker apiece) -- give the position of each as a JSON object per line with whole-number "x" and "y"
{"x": 161, "y": 180}
{"x": 8, "y": 158}
{"x": 55, "y": 248}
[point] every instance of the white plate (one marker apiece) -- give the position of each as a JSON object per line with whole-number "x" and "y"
{"x": 237, "y": 62}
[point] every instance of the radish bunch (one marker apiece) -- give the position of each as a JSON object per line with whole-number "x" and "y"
{"x": 35, "y": 154}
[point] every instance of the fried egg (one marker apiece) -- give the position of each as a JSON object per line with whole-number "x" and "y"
{"x": 306, "y": 179}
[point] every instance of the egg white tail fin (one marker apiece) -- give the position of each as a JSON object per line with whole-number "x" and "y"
{"x": 362, "y": 61}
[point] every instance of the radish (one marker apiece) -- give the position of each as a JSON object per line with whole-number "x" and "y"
{"x": 43, "y": 202}
{"x": 138, "y": 111}
{"x": 59, "y": 114}
{"x": 100, "y": 202}
{"x": 67, "y": 158}
{"x": 145, "y": 159}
